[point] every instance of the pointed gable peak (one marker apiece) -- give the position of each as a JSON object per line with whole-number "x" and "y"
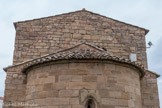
{"x": 81, "y": 51}
{"x": 84, "y": 46}
{"x": 83, "y": 9}
{"x": 86, "y": 11}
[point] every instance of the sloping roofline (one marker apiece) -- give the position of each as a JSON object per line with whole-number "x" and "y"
{"x": 101, "y": 54}
{"x": 83, "y": 10}
{"x": 81, "y": 51}
{"x": 157, "y": 75}
{"x": 62, "y": 50}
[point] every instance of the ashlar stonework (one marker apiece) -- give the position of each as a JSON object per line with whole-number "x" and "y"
{"x": 79, "y": 60}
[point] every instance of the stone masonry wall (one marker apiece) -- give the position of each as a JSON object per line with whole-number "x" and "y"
{"x": 35, "y": 38}
{"x": 68, "y": 85}
{"x": 38, "y": 37}
{"x": 15, "y": 88}
{"x": 150, "y": 96}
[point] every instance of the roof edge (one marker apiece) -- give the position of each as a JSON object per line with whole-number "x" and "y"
{"x": 133, "y": 65}
{"x": 83, "y": 10}
{"x": 10, "y": 66}
{"x": 52, "y": 56}
{"x": 157, "y": 75}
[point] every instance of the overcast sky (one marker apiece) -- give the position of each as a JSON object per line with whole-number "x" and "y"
{"x": 143, "y": 13}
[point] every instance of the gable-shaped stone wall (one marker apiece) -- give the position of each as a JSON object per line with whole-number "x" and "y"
{"x": 43, "y": 36}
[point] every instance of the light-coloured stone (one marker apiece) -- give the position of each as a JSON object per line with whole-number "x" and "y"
{"x": 59, "y": 84}
{"x": 69, "y": 93}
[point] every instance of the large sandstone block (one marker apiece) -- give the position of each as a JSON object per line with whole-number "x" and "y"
{"x": 69, "y": 93}
{"x": 57, "y": 101}
{"x": 89, "y": 78}
{"x": 80, "y": 85}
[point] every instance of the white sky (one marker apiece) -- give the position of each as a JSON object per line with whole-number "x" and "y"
{"x": 143, "y": 13}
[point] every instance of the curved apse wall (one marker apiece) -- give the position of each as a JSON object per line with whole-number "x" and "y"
{"x": 69, "y": 84}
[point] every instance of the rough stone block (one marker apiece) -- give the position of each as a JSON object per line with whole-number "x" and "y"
{"x": 74, "y": 101}
{"x": 89, "y": 78}
{"x": 80, "y": 85}
{"x": 57, "y": 101}
{"x": 69, "y": 93}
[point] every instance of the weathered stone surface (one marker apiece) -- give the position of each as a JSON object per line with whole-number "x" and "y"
{"x": 89, "y": 78}
{"x": 74, "y": 101}
{"x": 74, "y": 89}
{"x": 119, "y": 38}
{"x": 69, "y": 84}
{"x": 57, "y": 101}
{"x": 69, "y": 93}
{"x": 149, "y": 91}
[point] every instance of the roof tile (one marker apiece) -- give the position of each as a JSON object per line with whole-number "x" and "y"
{"x": 82, "y": 51}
